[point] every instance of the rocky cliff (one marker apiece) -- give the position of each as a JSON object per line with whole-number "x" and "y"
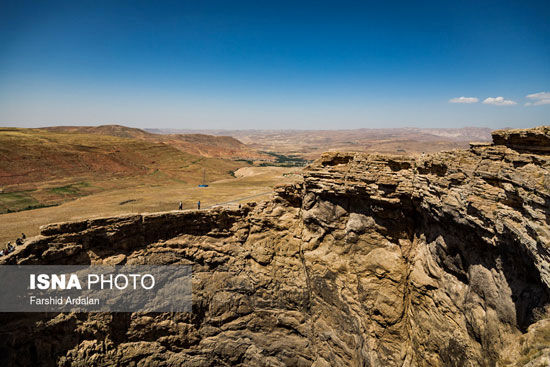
{"x": 372, "y": 260}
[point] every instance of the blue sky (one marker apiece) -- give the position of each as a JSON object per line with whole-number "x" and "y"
{"x": 273, "y": 65}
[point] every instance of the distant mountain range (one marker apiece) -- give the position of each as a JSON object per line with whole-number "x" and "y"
{"x": 310, "y": 144}
{"x": 464, "y": 133}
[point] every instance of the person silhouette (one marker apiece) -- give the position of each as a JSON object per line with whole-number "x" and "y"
{"x": 199, "y": 204}
{"x": 180, "y": 207}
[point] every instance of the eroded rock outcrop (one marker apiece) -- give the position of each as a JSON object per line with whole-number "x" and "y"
{"x": 373, "y": 260}
{"x": 526, "y": 140}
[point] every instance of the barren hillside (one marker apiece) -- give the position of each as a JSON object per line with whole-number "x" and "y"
{"x": 198, "y": 144}
{"x": 41, "y": 167}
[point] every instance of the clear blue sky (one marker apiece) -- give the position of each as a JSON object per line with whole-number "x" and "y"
{"x": 271, "y": 65}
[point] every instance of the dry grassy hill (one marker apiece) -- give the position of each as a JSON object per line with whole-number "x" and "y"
{"x": 112, "y": 130}
{"x": 199, "y": 144}
{"x": 40, "y": 167}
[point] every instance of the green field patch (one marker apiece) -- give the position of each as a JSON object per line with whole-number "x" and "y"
{"x": 16, "y": 201}
{"x": 70, "y": 190}
{"x": 64, "y": 190}
{"x": 282, "y": 160}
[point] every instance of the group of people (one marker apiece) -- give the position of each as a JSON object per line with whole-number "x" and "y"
{"x": 10, "y": 248}
{"x": 180, "y": 206}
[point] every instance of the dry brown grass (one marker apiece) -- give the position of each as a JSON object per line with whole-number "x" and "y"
{"x": 85, "y": 175}
{"x": 148, "y": 197}
{"x": 44, "y": 168}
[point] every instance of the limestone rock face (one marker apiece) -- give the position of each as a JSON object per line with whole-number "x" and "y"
{"x": 536, "y": 139}
{"x": 373, "y": 260}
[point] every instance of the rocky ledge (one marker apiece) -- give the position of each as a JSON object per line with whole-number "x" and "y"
{"x": 528, "y": 140}
{"x": 372, "y": 260}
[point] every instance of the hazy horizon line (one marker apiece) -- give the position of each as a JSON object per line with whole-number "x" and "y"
{"x": 38, "y": 126}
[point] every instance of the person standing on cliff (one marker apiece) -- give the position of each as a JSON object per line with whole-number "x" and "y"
{"x": 199, "y": 204}
{"x": 180, "y": 207}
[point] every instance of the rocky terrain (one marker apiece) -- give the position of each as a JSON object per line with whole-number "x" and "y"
{"x": 440, "y": 259}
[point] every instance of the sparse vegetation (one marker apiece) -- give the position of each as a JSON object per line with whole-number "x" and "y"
{"x": 69, "y": 190}
{"x": 32, "y": 207}
{"x": 52, "y": 167}
{"x": 282, "y": 160}
{"x": 248, "y": 161}
{"x": 140, "y": 194}
{"x": 16, "y": 201}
